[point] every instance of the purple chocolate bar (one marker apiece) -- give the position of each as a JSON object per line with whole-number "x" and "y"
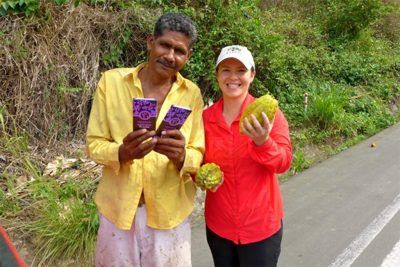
{"x": 174, "y": 119}
{"x": 144, "y": 113}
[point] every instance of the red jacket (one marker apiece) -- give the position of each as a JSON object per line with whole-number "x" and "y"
{"x": 247, "y": 207}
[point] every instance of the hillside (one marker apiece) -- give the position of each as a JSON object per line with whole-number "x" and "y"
{"x": 334, "y": 67}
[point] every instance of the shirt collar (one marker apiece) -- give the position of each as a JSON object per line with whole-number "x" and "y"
{"x": 218, "y": 107}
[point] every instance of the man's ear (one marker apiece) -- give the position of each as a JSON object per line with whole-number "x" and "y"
{"x": 150, "y": 41}
{"x": 190, "y": 53}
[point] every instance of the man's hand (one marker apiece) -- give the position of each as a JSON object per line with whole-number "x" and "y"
{"x": 259, "y": 133}
{"x": 172, "y": 144}
{"x": 134, "y": 145}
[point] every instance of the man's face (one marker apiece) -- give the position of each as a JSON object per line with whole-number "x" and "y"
{"x": 168, "y": 52}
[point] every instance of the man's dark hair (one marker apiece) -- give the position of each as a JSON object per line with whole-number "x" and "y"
{"x": 176, "y": 22}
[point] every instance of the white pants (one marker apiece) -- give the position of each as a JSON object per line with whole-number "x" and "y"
{"x": 142, "y": 246}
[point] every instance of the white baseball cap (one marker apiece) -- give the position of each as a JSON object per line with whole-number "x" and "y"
{"x": 241, "y": 53}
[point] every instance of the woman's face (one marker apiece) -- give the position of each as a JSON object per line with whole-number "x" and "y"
{"x": 233, "y": 78}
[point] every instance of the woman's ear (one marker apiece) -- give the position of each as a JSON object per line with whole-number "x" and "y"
{"x": 253, "y": 75}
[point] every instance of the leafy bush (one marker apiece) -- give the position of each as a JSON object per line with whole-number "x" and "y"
{"x": 363, "y": 61}
{"x": 350, "y": 17}
{"x": 28, "y": 7}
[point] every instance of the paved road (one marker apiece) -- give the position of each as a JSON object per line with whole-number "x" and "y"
{"x": 341, "y": 212}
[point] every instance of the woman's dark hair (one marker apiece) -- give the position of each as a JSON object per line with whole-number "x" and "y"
{"x": 176, "y": 22}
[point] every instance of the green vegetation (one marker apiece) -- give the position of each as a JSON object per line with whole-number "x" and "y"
{"x": 66, "y": 222}
{"x": 344, "y": 55}
{"x": 54, "y": 208}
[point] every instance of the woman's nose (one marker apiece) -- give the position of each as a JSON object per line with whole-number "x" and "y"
{"x": 233, "y": 75}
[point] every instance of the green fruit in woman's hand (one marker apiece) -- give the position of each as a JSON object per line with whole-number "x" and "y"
{"x": 266, "y": 103}
{"x": 208, "y": 176}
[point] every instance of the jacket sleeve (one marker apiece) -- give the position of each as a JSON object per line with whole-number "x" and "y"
{"x": 195, "y": 145}
{"x": 100, "y": 145}
{"x": 276, "y": 153}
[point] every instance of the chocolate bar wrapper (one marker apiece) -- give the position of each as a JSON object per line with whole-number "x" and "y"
{"x": 174, "y": 119}
{"x": 144, "y": 113}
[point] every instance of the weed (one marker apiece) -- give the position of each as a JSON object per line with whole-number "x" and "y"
{"x": 65, "y": 228}
{"x": 326, "y": 109}
{"x": 299, "y": 162}
{"x": 3, "y": 110}
{"x": 16, "y": 145}
{"x": 9, "y": 203}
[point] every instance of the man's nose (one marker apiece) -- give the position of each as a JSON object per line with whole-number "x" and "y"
{"x": 170, "y": 55}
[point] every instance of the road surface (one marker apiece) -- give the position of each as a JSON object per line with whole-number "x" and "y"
{"x": 342, "y": 212}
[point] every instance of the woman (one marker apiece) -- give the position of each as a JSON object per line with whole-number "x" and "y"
{"x": 244, "y": 215}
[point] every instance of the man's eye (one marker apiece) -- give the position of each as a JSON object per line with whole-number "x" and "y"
{"x": 164, "y": 45}
{"x": 180, "y": 52}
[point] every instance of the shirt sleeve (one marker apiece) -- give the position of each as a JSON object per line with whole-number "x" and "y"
{"x": 100, "y": 145}
{"x": 276, "y": 153}
{"x": 195, "y": 145}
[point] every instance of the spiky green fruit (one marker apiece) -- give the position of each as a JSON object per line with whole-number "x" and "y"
{"x": 266, "y": 103}
{"x": 208, "y": 176}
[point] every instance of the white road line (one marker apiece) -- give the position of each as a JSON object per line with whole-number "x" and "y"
{"x": 393, "y": 258}
{"x": 351, "y": 253}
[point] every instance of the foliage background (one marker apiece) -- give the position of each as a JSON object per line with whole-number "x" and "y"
{"x": 344, "y": 54}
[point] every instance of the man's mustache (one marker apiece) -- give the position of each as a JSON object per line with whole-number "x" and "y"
{"x": 167, "y": 64}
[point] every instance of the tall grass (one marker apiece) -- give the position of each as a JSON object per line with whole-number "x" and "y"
{"x": 65, "y": 230}
{"x": 65, "y": 223}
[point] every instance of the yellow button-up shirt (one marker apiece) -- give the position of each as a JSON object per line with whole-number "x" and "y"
{"x": 169, "y": 193}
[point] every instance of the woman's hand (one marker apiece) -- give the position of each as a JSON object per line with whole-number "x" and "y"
{"x": 257, "y": 132}
{"x": 215, "y": 188}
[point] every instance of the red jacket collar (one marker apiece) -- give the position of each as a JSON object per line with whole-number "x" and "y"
{"x": 216, "y": 109}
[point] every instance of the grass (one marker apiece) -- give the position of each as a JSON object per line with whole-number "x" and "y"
{"x": 54, "y": 212}
{"x": 65, "y": 230}
{"x": 59, "y": 216}
{"x": 65, "y": 222}
{"x": 9, "y": 203}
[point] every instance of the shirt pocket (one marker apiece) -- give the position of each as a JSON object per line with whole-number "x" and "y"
{"x": 216, "y": 150}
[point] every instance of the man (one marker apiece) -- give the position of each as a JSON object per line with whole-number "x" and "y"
{"x": 146, "y": 193}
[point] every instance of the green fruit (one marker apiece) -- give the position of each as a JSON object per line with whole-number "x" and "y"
{"x": 208, "y": 176}
{"x": 266, "y": 103}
